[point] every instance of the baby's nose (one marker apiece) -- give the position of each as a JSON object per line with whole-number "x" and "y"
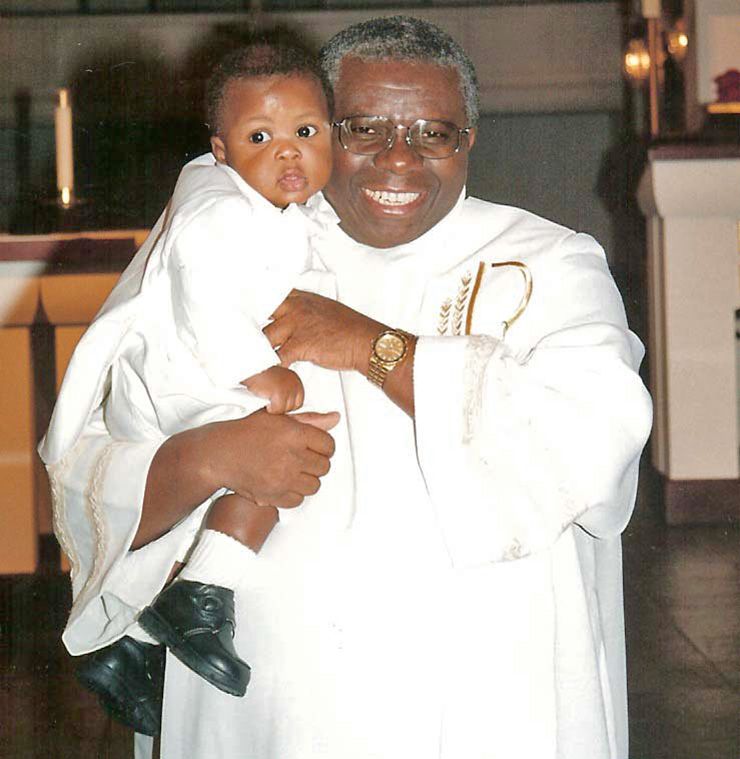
{"x": 288, "y": 149}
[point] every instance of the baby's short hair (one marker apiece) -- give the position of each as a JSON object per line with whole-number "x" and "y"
{"x": 269, "y": 55}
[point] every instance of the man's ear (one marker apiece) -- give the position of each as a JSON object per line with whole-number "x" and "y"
{"x": 471, "y": 137}
{"x": 218, "y": 148}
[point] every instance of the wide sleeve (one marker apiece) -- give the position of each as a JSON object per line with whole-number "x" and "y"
{"x": 97, "y": 493}
{"x": 228, "y": 273}
{"x": 519, "y": 441}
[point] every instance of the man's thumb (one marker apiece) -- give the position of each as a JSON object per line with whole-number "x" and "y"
{"x": 321, "y": 421}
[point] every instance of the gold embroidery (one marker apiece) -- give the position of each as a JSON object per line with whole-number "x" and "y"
{"x": 57, "y": 473}
{"x": 444, "y": 317}
{"x": 523, "y": 303}
{"x": 461, "y": 303}
{"x": 94, "y": 507}
{"x": 452, "y": 312}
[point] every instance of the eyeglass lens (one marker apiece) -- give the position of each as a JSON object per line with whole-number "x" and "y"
{"x": 368, "y": 135}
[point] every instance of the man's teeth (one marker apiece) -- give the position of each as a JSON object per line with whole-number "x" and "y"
{"x": 392, "y": 198}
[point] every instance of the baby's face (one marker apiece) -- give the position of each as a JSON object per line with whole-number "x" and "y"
{"x": 275, "y": 134}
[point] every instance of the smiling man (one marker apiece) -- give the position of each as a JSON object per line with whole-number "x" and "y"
{"x": 394, "y": 195}
{"x": 471, "y": 609}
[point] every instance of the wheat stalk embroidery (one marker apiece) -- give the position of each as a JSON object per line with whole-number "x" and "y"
{"x": 452, "y": 313}
{"x": 461, "y": 303}
{"x": 444, "y": 317}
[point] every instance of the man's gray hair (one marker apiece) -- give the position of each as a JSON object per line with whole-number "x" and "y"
{"x": 402, "y": 38}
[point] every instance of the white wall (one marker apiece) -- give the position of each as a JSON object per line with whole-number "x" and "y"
{"x": 550, "y": 83}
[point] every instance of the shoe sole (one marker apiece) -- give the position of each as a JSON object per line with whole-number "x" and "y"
{"x": 105, "y": 686}
{"x": 160, "y": 629}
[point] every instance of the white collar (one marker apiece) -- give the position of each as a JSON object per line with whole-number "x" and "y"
{"x": 258, "y": 201}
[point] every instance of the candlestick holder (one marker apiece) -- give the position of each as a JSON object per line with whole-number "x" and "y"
{"x": 64, "y": 213}
{"x": 67, "y": 200}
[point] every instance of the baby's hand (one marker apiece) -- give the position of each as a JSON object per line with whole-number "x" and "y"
{"x": 282, "y": 387}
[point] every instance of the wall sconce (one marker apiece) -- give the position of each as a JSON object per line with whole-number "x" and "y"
{"x": 645, "y": 58}
{"x": 677, "y": 41}
{"x": 637, "y": 62}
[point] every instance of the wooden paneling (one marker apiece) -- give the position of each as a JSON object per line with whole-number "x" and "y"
{"x": 18, "y": 526}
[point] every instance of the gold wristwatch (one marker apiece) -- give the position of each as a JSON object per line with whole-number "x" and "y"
{"x": 389, "y": 349}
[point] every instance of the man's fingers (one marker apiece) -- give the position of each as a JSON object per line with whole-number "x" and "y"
{"x": 276, "y": 332}
{"x": 286, "y": 305}
{"x": 315, "y": 464}
{"x": 320, "y": 421}
{"x": 289, "y": 500}
{"x": 289, "y": 352}
{"x": 308, "y": 485}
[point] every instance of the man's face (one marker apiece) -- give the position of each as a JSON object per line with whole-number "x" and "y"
{"x": 364, "y": 189}
{"x": 275, "y": 134}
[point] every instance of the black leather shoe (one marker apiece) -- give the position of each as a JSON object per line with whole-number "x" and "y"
{"x": 128, "y": 677}
{"x": 196, "y": 622}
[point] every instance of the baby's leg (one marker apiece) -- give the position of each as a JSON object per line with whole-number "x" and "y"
{"x": 242, "y": 519}
{"x": 195, "y": 615}
{"x": 235, "y": 529}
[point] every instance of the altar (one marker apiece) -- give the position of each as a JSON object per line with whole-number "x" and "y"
{"x": 690, "y": 195}
{"x": 51, "y": 286}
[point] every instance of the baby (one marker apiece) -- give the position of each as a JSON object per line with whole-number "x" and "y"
{"x": 228, "y": 251}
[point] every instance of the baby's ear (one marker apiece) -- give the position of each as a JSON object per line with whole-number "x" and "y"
{"x": 218, "y": 148}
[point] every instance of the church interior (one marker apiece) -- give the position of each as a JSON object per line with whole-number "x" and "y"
{"x": 619, "y": 118}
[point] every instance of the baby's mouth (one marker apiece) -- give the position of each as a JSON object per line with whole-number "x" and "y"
{"x": 292, "y": 180}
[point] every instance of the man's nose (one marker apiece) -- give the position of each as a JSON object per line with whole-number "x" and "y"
{"x": 400, "y": 157}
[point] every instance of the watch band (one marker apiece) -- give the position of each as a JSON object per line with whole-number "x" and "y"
{"x": 377, "y": 372}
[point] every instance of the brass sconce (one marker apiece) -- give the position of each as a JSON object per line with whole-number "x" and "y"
{"x": 645, "y": 56}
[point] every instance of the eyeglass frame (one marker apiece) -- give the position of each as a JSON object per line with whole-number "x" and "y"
{"x": 392, "y": 141}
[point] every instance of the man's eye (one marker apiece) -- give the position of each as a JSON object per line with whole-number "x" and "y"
{"x": 436, "y": 135}
{"x": 307, "y": 130}
{"x": 363, "y": 131}
{"x": 259, "y": 137}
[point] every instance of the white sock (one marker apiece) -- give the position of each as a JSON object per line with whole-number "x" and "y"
{"x": 137, "y": 632}
{"x": 218, "y": 559}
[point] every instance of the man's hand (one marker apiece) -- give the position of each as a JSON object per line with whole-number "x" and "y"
{"x": 282, "y": 387}
{"x": 309, "y": 327}
{"x": 274, "y": 459}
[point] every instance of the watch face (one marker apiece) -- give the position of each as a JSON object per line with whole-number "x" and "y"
{"x": 390, "y": 348}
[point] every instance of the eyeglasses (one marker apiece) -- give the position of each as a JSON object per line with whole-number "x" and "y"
{"x": 370, "y": 135}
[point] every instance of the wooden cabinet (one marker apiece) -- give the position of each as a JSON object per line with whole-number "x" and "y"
{"x": 50, "y": 288}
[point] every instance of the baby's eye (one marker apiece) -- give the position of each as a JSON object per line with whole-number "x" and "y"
{"x": 259, "y": 137}
{"x": 307, "y": 130}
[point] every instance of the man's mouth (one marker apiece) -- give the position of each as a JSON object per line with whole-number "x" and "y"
{"x": 394, "y": 199}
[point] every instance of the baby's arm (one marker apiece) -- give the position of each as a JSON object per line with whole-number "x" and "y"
{"x": 223, "y": 290}
{"x": 282, "y": 387}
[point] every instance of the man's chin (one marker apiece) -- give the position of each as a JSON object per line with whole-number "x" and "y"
{"x": 388, "y": 226}
{"x": 383, "y": 233}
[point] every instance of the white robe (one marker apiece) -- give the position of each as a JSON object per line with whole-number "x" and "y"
{"x": 473, "y": 607}
{"x": 168, "y": 350}
{"x": 183, "y": 327}
{"x": 225, "y": 259}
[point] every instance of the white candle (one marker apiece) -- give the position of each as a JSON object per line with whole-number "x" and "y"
{"x": 65, "y": 155}
{"x": 650, "y": 8}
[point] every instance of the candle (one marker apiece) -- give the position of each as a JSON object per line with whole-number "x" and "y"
{"x": 650, "y": 8}
{"x": 65, "y": 155}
